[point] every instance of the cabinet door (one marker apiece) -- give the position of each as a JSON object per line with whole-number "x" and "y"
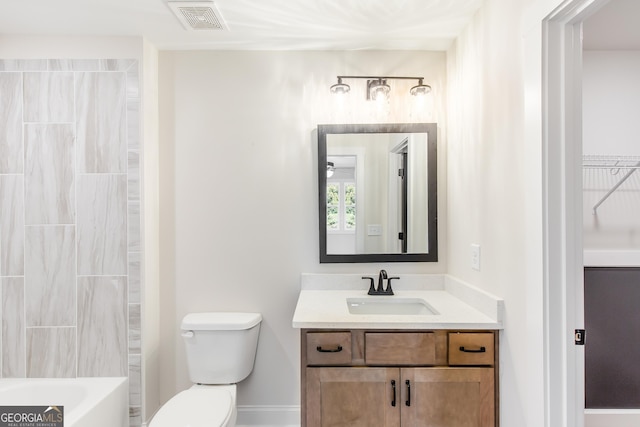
{"x": 448, "y": 397}
{"x": 353, "y": 397}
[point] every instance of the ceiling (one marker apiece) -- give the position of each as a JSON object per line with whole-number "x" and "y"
{"x": 613, "y": 27}
{"x": 253, "y": 24}
{"x": 293, "y": 24}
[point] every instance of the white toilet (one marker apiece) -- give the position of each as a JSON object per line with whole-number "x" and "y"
{"x": 221, "y": 351}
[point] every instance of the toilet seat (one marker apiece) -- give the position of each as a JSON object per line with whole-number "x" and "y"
{"x": 197, "y": 407}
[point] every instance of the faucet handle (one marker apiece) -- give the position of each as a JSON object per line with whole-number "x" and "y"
{"x": 389, "y": 290}
{"x": 372, "y": 289}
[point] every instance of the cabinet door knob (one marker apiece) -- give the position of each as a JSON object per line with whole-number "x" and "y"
{"x": 338, "y": 349}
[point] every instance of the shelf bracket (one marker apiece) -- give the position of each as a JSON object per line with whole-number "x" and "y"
{"x": 614, "y": 188}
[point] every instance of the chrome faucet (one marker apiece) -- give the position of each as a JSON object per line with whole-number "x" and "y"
{"x": 381, "y": 290}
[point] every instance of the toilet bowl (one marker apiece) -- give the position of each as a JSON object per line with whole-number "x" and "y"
{"x": 221, "y": 350}
{"x": 199, "y": 406}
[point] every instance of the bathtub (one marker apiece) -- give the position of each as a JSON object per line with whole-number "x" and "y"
{"x": 88, "y": 402}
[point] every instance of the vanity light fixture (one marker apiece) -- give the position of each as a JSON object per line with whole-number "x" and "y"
{"x": 330, "y": 169}
{"x": 377, "y": 90}
{"x": 420, "y": 89}
{"x": 340, "y": 88}
{"x": 377, "y": 87}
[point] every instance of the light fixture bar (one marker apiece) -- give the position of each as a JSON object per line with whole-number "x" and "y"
{"x": 377, "y": 86}
{"x": 380, "y": 77}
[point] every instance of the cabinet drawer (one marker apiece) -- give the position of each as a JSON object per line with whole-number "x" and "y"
{"x": 328, "y": 348}
{"x": 471, "y": 348}
{"x": 400, "y": 348}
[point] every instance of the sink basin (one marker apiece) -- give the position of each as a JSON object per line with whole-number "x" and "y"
{"x": 390, "y": 305}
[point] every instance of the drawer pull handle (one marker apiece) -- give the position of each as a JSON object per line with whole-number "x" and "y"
{"x": 338, "y": 349}
{"x": 408, "y": 402}
{"x": 393, "y": 387}
{"x": 472, "y": 350}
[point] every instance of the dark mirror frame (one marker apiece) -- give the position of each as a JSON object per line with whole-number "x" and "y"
{"x": 432, "y": 187}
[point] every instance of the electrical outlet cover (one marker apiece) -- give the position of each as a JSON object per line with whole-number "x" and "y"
{"x": 475, "y": 257}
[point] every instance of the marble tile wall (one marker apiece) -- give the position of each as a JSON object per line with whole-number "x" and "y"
{"x": 70, "y": 223}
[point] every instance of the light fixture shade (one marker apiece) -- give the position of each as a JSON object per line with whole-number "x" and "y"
{"x": 340, "y": 88}
{"x": 420, "y": 89}
{"x": 378, "y": 89}
{"x": 330, "y": 169}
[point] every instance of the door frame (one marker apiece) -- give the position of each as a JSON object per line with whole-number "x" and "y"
{"x": 563, "y": 293}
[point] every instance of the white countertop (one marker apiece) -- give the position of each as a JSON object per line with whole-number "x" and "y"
{"x": 322, "y": 303}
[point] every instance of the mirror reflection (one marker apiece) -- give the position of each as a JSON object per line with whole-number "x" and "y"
{"x": 377, "y": 187}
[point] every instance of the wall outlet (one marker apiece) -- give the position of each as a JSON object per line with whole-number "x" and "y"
{"x": 475, "y": 257}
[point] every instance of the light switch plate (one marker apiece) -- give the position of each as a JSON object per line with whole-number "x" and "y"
{"x": 374, "y": 230}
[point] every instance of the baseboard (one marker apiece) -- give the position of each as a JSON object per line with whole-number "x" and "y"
{"x": 267, "y": 415}
{"x": 611, "y": 258}
{"x": 611, "y": 417}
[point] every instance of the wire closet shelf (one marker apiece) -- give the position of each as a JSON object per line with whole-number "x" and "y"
{"x": 620, "y": 166}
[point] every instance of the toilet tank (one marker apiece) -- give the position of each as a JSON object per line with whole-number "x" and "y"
{"x": 221, "y": 347}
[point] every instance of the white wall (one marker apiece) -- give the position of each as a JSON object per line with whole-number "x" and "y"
{"x": 418, "y": 225}
{"x": 494, "y": 189}
{"x": 151, "y": 235}
{"x": 239, "y": 206}
{"x": 611, "y": 90}
{"x": 611, "y": 106}
{"x": 39, "y": 47}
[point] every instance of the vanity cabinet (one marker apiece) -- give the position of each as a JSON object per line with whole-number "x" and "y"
{"x": 369, "y": 378}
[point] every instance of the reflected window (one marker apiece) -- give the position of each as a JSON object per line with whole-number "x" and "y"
{"x": 341, "y": 195}
{"x": 333, "y": 206}
{"x": 350, "y": 206}
{"x": 341, "y": 206}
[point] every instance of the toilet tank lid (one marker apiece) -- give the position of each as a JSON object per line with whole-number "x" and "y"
{"x": 220, "y": 321}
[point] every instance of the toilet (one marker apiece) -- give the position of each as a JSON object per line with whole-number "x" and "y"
{"x": 221, "y": 351}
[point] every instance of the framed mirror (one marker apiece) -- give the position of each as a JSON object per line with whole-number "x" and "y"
{"x": 377, "y": 188}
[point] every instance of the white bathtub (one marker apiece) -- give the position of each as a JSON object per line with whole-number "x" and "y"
{"x": 88, "y": 402}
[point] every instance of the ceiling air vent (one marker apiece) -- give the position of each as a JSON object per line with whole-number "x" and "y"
{"x": 198, "y": 16}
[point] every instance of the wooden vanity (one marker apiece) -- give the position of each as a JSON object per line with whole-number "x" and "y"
{"x": 382, "y": 369}
{"x": 399, "y": 378}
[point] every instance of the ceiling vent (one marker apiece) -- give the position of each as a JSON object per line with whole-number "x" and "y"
{"x": 198, "y": 16}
